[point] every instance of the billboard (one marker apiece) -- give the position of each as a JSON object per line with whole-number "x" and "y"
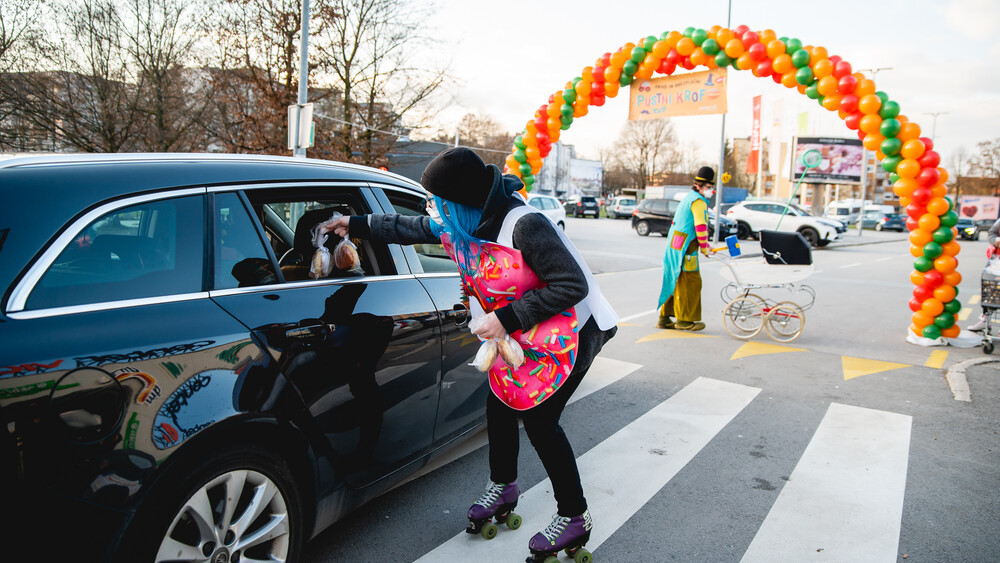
{"x": 585, "y": 176}
{"x": 841, "y": 160}
{"x": 695, "y": 93}
{"x": 977, "y": 207}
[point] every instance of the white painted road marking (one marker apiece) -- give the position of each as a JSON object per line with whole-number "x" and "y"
{"x": 653, "y": 448}
{"x": 844, "y": 500}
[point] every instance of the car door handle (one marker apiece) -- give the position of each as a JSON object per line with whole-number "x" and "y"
{"x": 310, "y": 330}
{"x": 460, "y": 314}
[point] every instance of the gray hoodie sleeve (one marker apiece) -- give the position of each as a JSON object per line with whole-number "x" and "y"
{"x": 544, "y": 252}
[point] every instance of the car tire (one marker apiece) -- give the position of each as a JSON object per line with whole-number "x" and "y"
{"x": 642, "y": 228}
{"x": 878, "y": 226}
{"x": 743, "y": 231}
{"x": 231, "y": 479}
{"x": 561, "y": 225}
{"x": 811, "y": 236}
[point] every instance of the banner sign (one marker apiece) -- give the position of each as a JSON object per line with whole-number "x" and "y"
{"x": 695, "y": 93}
{"x": 842, "y": 160}
{"x": 754, "y": 138}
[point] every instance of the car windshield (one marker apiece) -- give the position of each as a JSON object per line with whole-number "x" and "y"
{"x": 797, "y": 211}
{"x": 966, "y": 222}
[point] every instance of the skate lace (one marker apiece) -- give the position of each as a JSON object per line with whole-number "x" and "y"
{"x": 555, "y": 529}
{"x": 493, "y": 491}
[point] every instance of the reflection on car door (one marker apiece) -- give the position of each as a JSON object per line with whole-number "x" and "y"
{"x": 361, "y": 347}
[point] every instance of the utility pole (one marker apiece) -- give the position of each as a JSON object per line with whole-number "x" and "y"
{"x": 300, "y": 150}
{"x": 934, "y": 123}
{"x": 722, "y": 154}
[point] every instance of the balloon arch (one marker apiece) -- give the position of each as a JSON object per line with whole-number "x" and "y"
{"x": 912, "y": 164}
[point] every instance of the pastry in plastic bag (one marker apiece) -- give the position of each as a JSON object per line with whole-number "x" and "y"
{"x": 321, "y": 264}
{"x": 486, "y": 355}
{"x": 345, "y": 255}
{"x": 511, "y": 352}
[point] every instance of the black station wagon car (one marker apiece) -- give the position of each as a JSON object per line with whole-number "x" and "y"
{"x": 178, "y": 382}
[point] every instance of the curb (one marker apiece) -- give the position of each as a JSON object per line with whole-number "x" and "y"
{"x": 957, "y": 382}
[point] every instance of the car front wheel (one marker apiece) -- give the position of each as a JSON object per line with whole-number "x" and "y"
{"x": 878, "y": 226}
{"x": 642, "y": 228}
{"x": 240, "y": 504}
{"x": 743, "y": 231}
{"x": 811, "y": 236}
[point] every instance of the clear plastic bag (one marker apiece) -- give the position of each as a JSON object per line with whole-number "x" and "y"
{"x": 345, "y": 254}
{"x": 487, "y": 355}
{"x": 507, "y": 348}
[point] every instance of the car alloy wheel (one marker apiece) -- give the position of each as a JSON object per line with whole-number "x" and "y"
{"x": 642, "y": 228}
{"x": 743, "y": 231}
{"x": 811, "y": 236}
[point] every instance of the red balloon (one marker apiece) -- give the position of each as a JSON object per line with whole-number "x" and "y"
{"x": 597, "y": 100}
{"x": 543, "y": 138}
{"x": 552, "y": 98}
{"x": 849, "y": 104}
{"x": 923, "y": 292}
{"x": 927, "y": 178}
{"x": 686, "y": 63}
{"x": 776, "y": 77}
{"x": 862, "y": 134}
{"x": 915, "y": 211}
{"x": 853, "y": 120}
{"x": 847, "y": 84}
{"x": 666, "y": 67}
{"x": 740, "y": 30}
{"x": 928, "y": 143}
{"x": 841, "y": 69}
{"x": 672, "y": 56}
{"x": 920, "y": 197}
{"x": 835, "y": 59}
{"x": 933, "y": 278}
{"x": 751, "y": 38}
{"x": 915, "y": 305}
{"x": 542, "y": 122}
{"x": 911, "y": 224}
{"x": 598, "y": 73}
{"x": 757, "y": 51}
{"x": 764, "y": 67}
{"x": 930, "y": 159}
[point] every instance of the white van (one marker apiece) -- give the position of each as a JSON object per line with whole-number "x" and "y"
{"x": 845, "y": 211}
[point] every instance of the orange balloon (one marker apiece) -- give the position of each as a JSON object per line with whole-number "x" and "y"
{"x": 945, "y": 293}
{"x": 611, "y": 75}
{"x": 908, "y": 168}
{"x": 535, "y": 167}
{"x": 880, "y": 155}
{"x": 929, "y": 222}
{"x": 951, "y": 332}
{"x": 782, "y": 64}
{"x": 870, "y": 123}
{"x": 801, "y": 88}
{"x": 922, "y": 319}
{"x": 580, "y": 109}
{"x": 554, "y": 109}
{"x": 646, "y": 71}
{"x": 511, "y": 162}
{"x": 819, "y": 54}
{"x": 532, "y": 152}
{"x": 822, "y": 68}
{"x": 827, "y": 85}
{"x": 938, "y": 206}
{"x": 660, "y": 49}
{"x": 788, "y": 79}
{"x": 908, "y": 131}
{"x": 939, "y": 190}
{"x": 916, "y": 330}
{"x": 945, "y": 264}
{"x": 712, "y": 31}
{"x": 583, "y": 87}
{"x": 916, "y": 276}
{"x": 611, "y": 88}
{"x": 734, "y": 48}
{"x": 932, "y": 306}
{"x": 618, "y": 59}
{"x": 916, "y": 251}
{"x": 952, "y": 278}
{"x": 531, "y": 130}
{"x": 775, "y": 49}
{"x": 869, "y": 104}
{"x": 685, "y": 46}
{"x": 672, "y": 38}
{"x": 873, "y": 141}
{"x": 865, "y": 87}
{"x": 698, "y": 57}
{"x": 913, "y": 148}
{"x": 588, "y": 73}
{"x": 951, "y": 248}
{"x": 724, "y": 36}
{"x": 905, "y": 200}
{"x": 554, "y": 135}
{"x": 920, "y": 237}
{"x": 905, "y": 187}
{"x": 842, "y": 114}
{"x": 767, "y": 36}
{"x": 944, "y": 175}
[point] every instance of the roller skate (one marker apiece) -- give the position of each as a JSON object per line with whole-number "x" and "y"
{"x": 569, "y": 534}
{"x": 497, "y": 502}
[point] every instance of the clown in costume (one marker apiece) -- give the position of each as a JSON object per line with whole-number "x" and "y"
{"x": 680, "y": 294}
{"x": 525, "y": 279}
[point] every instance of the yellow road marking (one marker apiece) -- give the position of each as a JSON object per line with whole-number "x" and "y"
{"x": 936, "y": 359}
{"x": 973, "y": 299}
{"x": 857, "y": 367}
{"x": 760, "y": 348}
{"x": 964, "y": 313}
{"x": 667, "y": 334}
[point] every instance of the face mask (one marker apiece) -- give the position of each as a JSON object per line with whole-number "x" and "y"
{"x": 432, "y": 210}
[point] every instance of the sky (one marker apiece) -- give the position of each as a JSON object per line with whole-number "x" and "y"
{"x": 507, "y": 58}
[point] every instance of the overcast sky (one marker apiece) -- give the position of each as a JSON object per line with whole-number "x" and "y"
{"x": 508, "y": 57}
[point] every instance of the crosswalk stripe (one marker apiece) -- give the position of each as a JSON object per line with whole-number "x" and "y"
{"x": 652, "y": 449}
{"x": 844, "y": 499}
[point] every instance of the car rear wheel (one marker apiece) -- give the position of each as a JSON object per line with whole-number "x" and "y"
{"x": 743, "y": 231}
{"x": 811, "y": 236}
{"x": 239, "y": 504}
{"x": 878, "y": 226}
{"x": 642, "y": 228}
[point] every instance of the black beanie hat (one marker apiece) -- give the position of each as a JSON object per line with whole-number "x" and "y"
{"x": 459, "y": 175}
{"x": 705, "y": 174}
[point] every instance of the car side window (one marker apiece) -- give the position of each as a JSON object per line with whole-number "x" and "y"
{"x": 238, "y": 255}
{"x": 537, "y": 203}
{"x": 151, "y": 249}
{"x": 432, "y": 256}
{"x": 659, "y": 206}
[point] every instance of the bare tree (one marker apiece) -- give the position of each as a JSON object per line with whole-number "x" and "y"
{"x": 986, "y": 162}
{"x": 22, "y": 46}
{"x": 644, "y": 147}
{"x": 484, "y": 134}
{"x": 959, "y": 160}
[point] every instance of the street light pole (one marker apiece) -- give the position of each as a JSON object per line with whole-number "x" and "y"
{"x": 874, "y": 71}
{"x": 300, "y": 152}
{"x": 934, "y": 125}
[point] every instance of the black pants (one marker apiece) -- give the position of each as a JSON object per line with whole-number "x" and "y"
{"x": 541, "y": 423}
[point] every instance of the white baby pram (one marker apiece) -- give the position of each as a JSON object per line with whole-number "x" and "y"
{"x": 786, "y": 262}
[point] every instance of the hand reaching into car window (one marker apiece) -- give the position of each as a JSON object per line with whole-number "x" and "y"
{"x": 341, "y": 226}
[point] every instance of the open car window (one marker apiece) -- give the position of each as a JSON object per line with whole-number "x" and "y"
{"x": 433, "y": 257}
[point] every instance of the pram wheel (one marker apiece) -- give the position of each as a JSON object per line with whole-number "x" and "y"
{"x": 743, "y": 317}
{"x": 988, "y": 348}
{"x": 784, "y": 322}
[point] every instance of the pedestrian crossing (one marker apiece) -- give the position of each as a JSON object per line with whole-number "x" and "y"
{"x": 842, "y": 502}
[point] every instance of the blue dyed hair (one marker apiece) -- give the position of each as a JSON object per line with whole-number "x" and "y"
{"x": 460, "y": 221}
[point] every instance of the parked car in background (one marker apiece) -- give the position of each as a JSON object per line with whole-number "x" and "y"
{"x": 621, "y": 206}
{"x": 891, "y": 222}
{"x": 654, "y": 215}
{"x": 728, "y": 226}
{"x": 753, "y": 216}
{"x": 178, "y": 381}
{"x": 967, "y": 229}
{"x": 550, "y": 206}
{"x": 582, "y": 206}
{"x": 983, "y": 225}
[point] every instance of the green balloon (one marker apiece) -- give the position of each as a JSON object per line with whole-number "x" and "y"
{"x": 800, "y": 58}
{"x": 688, "y": 31}
{"x": 569, "y": 95}
{"x": 804, "y": 76}
{"x": 519, "y": 143}
{"x": 648, "y": 43}
{"x": 953, "y": 306}
{"x": 891, "y": 146}
{"x": 951, "y": 203}
{"x": 722, "y": 59}
{"x": 944, "y": 320}
{"x": 812, "y": 91}
{"x": 699, "y": 36}
{"x": 932, "y": 250}
{"x": 890, "y": 127}
{"x": 893, "y": 178}
{"x": 663, "y": 36}
{"x": 710, "y": 47}
{"x": 629, "y": 68}
{"x": 932, "y": 331}
{"x": 734, "y": 65}
{"x": 819, "y": 99}
{"x": 922, "y": 264}
{"x": 889, "y": 109}
{"x": 565, "y": 125}
{"x": 890, "y": 163}
{"x": 625, "y": 79}
{"x": 638, "y": 54}
{"x": 566, "y": 110}
{"x": 942, "y": 235}
{"x": 792, "y": 45}
{"x": 882, "y": 96}
{"x": 520, "y": 156}
{"x": 949, "y": 219}
{"x": 525, "y": 169}
{"x": 785, "y": 41}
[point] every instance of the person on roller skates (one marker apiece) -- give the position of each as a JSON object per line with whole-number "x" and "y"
{"x": 553, "y": 308}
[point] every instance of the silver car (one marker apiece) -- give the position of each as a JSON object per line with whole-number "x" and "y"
{"x": 621, "y": 206}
